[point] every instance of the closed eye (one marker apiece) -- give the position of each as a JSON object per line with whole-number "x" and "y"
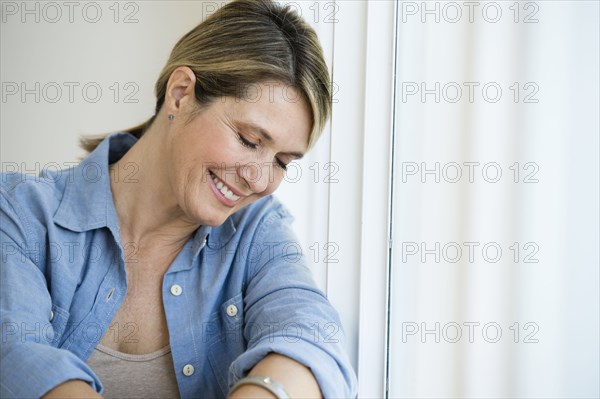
{"x": 247, "y": 143}
{"x": 281, "y": 164}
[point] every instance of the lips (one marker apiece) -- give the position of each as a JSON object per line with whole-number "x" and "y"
{"x": 223, "y": 189}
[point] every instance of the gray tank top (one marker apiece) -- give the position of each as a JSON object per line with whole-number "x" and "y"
{"x": 135, "y": 376}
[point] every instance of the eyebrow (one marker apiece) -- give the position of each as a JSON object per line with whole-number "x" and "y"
{"x": 265, "y": 135}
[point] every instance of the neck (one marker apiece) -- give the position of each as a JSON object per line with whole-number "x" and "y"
{"x": 148, "y": 212}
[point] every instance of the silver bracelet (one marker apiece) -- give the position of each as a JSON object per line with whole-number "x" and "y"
{"x": 264, "y": 382}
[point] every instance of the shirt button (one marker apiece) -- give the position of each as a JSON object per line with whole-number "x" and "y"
{"x": 232, "y": 310}
{"x": 188, "y": 370}
{"x": 176, "y": 289}
{"x": 51, "y": 315}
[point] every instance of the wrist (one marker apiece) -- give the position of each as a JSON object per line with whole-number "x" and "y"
{"x": 251, "y": 391}
{"x": 258, "y": 387}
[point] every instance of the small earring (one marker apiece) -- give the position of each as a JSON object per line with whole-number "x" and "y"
{"x": 171, "y": 117}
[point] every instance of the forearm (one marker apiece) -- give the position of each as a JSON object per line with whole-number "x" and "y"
{"x": 296, "y": 379}
{"x": 72, "y": 389}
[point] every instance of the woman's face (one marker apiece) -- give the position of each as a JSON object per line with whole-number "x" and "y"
{"x": 234, "y": 151}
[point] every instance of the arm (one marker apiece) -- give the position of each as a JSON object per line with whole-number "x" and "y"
{"x": 297, "y": 379}
{"x": 285, "y": 314}
{"x": 32, "y": 364}
{"x": 72, "y": 389}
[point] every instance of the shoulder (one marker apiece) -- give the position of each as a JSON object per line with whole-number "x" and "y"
{"x": 262, "y": 213}
{"x": 260, "y": 224}
{"x": 28, "y": 203}
{"x": 34, "y": 193}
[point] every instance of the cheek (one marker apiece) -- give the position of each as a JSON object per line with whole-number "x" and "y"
{"x": 189, "y": 173}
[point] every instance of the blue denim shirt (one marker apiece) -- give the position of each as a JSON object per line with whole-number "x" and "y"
{"x": 245, "y": 288}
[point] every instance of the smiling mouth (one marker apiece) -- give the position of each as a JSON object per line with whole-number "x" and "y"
{"x": 223, "y": 189}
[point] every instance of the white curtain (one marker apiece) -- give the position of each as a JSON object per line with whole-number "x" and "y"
{"x": 494, "y": 267}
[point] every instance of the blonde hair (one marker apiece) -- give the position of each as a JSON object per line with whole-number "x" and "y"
{"x": 244, "y": 43}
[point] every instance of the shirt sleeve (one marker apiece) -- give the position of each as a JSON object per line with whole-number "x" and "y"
{"x": 285, "y": 313}
{"x": 31, "y": 362}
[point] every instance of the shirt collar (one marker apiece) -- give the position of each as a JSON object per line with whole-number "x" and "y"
{"x": 87, "y": 202}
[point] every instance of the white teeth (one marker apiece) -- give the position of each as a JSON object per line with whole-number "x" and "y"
{"x": 227, "y": 193}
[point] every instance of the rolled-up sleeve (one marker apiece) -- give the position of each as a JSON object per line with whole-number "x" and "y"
{"x": 31, "y": 362}
{"x": 286, "y": 314}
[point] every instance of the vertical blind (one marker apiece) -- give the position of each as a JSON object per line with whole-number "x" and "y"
{"x": 494, "y": 267}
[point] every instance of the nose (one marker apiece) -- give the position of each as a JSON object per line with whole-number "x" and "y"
{"x": 257, "y": 176}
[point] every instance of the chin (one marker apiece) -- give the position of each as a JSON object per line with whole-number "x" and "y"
{"x": 209, "y": 216}
{"x": 211, "y": 220}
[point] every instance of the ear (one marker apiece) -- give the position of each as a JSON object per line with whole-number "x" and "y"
{"x": 180, "y": 90}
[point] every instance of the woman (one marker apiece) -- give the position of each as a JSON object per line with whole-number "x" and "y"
{"x": 161, "y": 265}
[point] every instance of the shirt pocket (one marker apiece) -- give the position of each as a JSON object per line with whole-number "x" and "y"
{"x": 58, "y": 321}
{"x": 228, "y": 340}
